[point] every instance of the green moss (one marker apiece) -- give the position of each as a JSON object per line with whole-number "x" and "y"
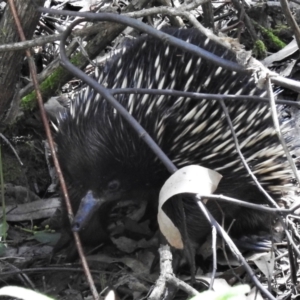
{"x": 279, "y": 29}
{"x": 259, "y": 50}
{"x": 29, "y": 101}
{"x": 270, "y": 39}
{"x": 78, "y": 59}
{"x": 273, "y": 39}
{"x": 52, "y": 84}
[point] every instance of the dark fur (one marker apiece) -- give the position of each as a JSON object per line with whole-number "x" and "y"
{"x": 99, "y": 147}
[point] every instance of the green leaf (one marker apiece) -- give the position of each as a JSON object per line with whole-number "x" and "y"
{"x": 50, "y": 238}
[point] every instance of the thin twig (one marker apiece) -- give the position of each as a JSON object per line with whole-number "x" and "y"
{"x": 52, "y": 148}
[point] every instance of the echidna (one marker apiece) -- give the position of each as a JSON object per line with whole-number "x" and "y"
{"x": 102, "y": 157}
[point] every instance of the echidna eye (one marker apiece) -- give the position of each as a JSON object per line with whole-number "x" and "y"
{"x": 114, "y": 185}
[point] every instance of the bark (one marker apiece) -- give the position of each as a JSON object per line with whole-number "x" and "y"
{"x": 10, "y": 62}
